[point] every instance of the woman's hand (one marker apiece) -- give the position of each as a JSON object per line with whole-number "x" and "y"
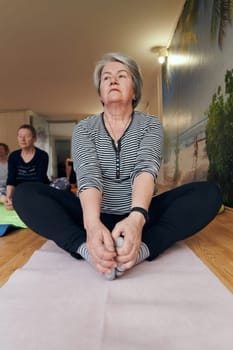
{"x": 9, "y": 195}
{"x": 100, "y": 245}
{"x": 8, "y": 203}
{"x": 131, "y": 229}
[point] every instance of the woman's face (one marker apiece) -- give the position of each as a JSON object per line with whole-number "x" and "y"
{"x": 116, "y": 85}
{"x": 25, "y": 138}
{"x": 3, "y": 152}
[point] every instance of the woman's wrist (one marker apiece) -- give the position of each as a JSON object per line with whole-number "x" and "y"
{"x": 90, "y": 221}
{"x": 138, "y": 218}
{"x": 141, "y": 211}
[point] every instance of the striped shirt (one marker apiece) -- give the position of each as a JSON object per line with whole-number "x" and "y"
{"x": 100, "y": 164}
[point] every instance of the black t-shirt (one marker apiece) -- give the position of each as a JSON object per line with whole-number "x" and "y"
{"x": 34, "y": 171}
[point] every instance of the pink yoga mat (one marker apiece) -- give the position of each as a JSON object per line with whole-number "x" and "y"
{"x": 173, "y": 303}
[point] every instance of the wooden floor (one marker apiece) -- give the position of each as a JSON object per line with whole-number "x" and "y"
{"x": 213, "y": 245}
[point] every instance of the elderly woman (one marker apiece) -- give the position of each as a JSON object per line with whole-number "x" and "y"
{"x": 117, "y": 220}
{"x": 27, "y": 164}
{"x": 4, "y": 151}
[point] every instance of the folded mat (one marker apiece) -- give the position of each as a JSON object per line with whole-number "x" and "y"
{"x": 9, "y": 220}
{"x": 173, "y": 303}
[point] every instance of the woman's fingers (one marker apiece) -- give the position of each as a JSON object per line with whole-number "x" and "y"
{"x": 108, "y": 242}
{"x": 127, "y": 254}
{"x": 102, "y": 252}
{"x": 103, "y": 265}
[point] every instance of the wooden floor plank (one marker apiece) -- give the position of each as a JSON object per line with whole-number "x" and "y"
{"x": 15, "y": 250}
{"x": 214, "y": 246}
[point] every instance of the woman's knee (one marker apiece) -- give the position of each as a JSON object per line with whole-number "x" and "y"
{"x": 211, "y": 189}
{"x": 24, "y": 191}
{"x": 211, "y": 192}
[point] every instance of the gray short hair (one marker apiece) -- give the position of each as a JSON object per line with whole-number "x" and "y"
{"x": 129, "y": 63}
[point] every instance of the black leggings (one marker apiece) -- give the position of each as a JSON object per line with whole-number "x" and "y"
{"x": 173, "y": 215}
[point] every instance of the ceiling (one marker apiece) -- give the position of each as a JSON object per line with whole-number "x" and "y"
{"x": 48, "y": 49}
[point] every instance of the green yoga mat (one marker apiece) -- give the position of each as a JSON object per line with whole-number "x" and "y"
{"x": 9, "y": 221}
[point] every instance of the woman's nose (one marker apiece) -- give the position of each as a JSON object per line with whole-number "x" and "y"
{"x": 114, "y": 80}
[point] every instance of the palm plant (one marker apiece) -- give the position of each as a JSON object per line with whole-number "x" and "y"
{"x": 219, "y": 139}
{"x": 222, "y": 14}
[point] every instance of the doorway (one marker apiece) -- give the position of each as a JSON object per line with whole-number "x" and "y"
{"x": 62, "y": 151}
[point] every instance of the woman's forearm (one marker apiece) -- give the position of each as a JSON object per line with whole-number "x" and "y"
{"x": 8, "y": 198}
{"x": 9, "y": 191}
{"x": 143, "y": 190}
{"x": 91, "y": 204}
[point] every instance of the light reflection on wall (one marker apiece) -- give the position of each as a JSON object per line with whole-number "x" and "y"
{"x": 185, "y": 120}
{"x": 183, "y": 59}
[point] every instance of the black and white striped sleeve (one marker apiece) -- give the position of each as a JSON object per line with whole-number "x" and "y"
{"x": 86, "y": 164}
{"x": 150, "y": 150}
